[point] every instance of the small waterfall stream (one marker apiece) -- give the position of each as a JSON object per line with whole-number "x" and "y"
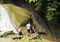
{"x": 5, "y": 23}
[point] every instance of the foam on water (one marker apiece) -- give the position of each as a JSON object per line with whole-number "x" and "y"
{"x": 5, "y": 23}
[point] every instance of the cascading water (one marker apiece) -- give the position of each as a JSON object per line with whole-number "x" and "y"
{"x": 5, "y": 23}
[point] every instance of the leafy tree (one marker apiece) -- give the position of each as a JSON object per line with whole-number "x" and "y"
{"x": 31, "y": 1}
{"x": 47, "y": 9}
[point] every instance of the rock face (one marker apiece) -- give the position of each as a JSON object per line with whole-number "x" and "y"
{"x": 52, "y": 32}
{"x": 6, "y": 1}
{"x": 12, "y": 1}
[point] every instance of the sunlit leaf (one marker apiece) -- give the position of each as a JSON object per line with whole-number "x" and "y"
{"x": 32, "y": 1}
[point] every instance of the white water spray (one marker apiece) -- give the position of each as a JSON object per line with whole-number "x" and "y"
{"x": 5, "y": 23}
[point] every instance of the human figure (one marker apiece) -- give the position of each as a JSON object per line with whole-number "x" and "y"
{"x": 30, "y": 20}
{"x": 33, "y": 29}
{"x": 37, "y": 17}
{"x": 28, "y": 27}
{"x": 20, "y": 31}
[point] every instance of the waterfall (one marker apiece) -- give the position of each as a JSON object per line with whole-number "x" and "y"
{"x": 5, "y": 23}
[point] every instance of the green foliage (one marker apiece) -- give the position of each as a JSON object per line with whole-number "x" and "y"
{"x": 50, "y": 16}
{"x": 50, "y": 9}
{"x": 36, "y": 39}
{"x": 52, "y": 12}
{"x": 38, "y": 6}
{"x": 31, "y": 1}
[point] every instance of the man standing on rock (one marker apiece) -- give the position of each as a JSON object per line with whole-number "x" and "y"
{"x": 28, "y": 27}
